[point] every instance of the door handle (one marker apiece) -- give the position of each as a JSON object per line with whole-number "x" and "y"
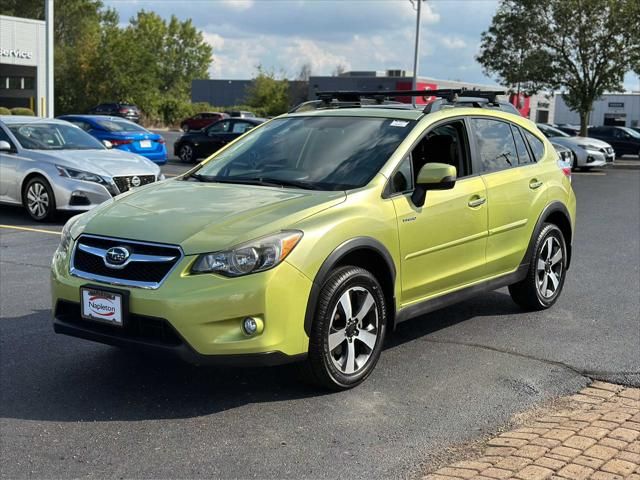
{"x": 533, "y": 184}
{"x": 476, "y": 201}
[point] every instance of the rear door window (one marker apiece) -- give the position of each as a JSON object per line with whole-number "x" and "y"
{"x": 496, "y": 147}
{"x": 521, "y": 147}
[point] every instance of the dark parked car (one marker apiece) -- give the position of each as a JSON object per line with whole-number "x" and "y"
{"x": 625, "y": 141}
{"x": 202, "y": 143}
{"x": 201, "y": 120}
{"x": 124, "y": 110}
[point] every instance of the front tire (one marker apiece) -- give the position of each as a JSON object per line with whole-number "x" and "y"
{"x": 187, "y": 153}
{"x": 38, "y": 199}
{"x": 348, "y": 329}
{"x": 545, "y": 278}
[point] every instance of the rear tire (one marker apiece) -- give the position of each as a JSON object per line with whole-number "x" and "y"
{"x": 38, "y": 199}
{"x": 543, "y": 284}
{"x": 348, "y": 329}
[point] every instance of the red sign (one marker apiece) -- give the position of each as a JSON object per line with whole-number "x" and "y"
{"x": 419, "y": 86}
{"x": 522, "y": 103}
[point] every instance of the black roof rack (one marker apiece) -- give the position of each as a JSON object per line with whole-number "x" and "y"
{"x": 358, "y": 98}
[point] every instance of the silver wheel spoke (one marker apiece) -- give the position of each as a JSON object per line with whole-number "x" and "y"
{"x": 541, "y": 264}
{"x": 350, "y": 360}
{"x": 30, "y": 196}
{"x": 345, "y": 301}
{"x": 366, "y": 307}
{"x": 543, "y": 287}
{"x": 557, "y": 257}
{"x": 554, "y": 280}
{"x": 549, "y": 245}
{"x": 367, "y": 337}
{"x": 335, "y": 339}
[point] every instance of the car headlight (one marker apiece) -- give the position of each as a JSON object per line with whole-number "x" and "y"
{"x": 81, "y": 175}
{"x": 65, "y": 236}
{"x": 251, "y": 257}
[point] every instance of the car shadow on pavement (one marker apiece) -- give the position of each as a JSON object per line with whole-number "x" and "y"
{"x": 50, "y": 377}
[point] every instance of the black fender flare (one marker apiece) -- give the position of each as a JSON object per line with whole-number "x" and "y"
{"x": 351, "y": 245}
{"x": 550, "y": 209}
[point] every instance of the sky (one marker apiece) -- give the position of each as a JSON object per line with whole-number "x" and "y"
{"x": 283, "y": 35}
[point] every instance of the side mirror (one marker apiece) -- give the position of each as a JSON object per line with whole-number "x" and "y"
{"x": 433, "y": 176}
{"x": 107, "y": 143}
{"x": 5, "y": 146}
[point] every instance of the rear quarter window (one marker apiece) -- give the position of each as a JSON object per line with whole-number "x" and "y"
{"x": 536, "y": 145}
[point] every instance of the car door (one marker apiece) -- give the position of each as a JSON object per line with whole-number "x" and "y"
{"x": 513, "y": 180}
{"x": 9, "y": 167}
{"x": 442, "y": 243}
{"x": 629, "y": 145}
{"x": 215, "y": 137}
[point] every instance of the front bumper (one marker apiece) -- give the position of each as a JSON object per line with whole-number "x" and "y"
{"x": 76, "y": 195}
{"x": 197, "y": 317}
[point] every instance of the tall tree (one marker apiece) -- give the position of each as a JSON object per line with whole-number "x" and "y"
{"x": 268, "y": 93}
{"x": 582, "y": 47}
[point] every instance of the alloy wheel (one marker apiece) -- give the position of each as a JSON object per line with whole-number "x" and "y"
{"x": 354, "y": 330}
{"x": 549, "y": 268}
{"x": 186, "y": 153}
{"x": 38, "y": 200}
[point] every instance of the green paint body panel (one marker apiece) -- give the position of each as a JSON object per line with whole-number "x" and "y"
{"x": 439, "y": 248}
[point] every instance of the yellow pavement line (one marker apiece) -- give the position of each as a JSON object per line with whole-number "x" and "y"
{"x": 28, "y": 229}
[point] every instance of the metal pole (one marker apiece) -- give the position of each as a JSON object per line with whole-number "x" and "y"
{"x": 416, "y": 53}
{"x": 49, "y": 58}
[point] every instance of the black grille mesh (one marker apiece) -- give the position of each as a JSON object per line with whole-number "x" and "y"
{"x": 151, "y": 272}
{"x": 124, "y": 183}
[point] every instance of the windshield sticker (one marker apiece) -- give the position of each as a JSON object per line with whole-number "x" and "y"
{"x": 399, "y": 123}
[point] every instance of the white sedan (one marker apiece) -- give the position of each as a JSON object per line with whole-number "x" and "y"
{"x": 48, "y": 165}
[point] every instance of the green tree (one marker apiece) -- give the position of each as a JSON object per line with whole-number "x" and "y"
{"x": 582, "y": 47}
{"x": 268, "y": 93}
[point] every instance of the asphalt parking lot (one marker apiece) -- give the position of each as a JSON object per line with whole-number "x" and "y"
{"x": 71, "y": 408}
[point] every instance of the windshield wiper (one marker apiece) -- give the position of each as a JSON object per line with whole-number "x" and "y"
{"x": 261, "y": 181}
{"x": 279, "y": 182}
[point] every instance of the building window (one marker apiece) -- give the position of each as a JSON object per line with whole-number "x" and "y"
{"x": 29, "y": 83}
{"x": 15, "y": 83}
{"x": 4, "y": 82}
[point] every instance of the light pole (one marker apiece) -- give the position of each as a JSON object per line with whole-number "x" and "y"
{"x": 416, "y": 51}
{"x": 48, "y": 15}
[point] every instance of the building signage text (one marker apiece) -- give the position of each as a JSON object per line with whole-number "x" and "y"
{"x": 5, "y": 52}
{"x": 616, "y": 104}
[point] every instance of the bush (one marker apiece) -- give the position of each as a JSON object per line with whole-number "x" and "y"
{"x": 5, "y": 111}
{"x": 22, "y": 111}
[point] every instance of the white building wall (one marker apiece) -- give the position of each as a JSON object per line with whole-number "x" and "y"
{"x": 623, "y": 106}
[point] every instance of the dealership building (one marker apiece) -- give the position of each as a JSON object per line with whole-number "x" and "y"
{"x": 23, "y": 64}
{"x": 619, "y": 109}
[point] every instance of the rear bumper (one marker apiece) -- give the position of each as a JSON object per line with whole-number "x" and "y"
{"x": 67, "y": 321}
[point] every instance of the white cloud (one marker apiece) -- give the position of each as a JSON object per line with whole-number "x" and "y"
{"x": 238, "y": 4}
{"x": 452, "y": 42}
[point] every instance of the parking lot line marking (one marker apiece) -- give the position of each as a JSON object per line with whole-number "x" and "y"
{"x": 29, "y": 229}
{"x": 589, "y": 173}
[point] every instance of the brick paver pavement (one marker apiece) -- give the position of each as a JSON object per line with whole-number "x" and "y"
{"x": 598, "y": 438}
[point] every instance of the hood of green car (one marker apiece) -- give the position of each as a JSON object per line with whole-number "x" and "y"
{"x": 205, "y": 217}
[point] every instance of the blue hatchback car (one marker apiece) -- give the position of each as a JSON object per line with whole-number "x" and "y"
{"x": 122, "y": 134}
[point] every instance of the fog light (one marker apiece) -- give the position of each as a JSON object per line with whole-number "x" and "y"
{"x": 590, "y": 159}
{"x": 252, "y": 326}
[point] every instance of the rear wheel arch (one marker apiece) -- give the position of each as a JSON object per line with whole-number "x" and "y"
{"x": 363, "y": 252}
{"x": 557, "y": 214}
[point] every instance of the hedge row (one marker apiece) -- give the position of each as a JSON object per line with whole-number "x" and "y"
{"x": 16, "y": 111}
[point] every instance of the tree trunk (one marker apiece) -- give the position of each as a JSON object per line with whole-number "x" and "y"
{"x": 584, "y": 121}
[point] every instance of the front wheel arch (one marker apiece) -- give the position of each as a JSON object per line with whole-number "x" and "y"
{"x": 557, "y": 214}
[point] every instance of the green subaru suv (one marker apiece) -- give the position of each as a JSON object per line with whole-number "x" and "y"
{"x": 313, "y": 235}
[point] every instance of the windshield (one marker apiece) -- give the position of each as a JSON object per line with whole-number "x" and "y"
{"x": 551, "y": 131}
{"x": 53, "y": 136}
{"x": 631, "y": 132}
{"x": 323, "y": 153}
{"x": 116, "y": 125}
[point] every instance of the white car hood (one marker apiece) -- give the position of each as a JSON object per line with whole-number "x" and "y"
{"x": 572, "y": 141}
{"x": 110, "y": 163}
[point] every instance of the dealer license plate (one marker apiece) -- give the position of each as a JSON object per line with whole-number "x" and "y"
{"x": 145, "y": 143}
{"x": 102, "y": 306}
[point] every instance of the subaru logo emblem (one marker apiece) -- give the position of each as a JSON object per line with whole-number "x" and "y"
{"x": 117, "y": 256}
{"x": 135, "y": 181}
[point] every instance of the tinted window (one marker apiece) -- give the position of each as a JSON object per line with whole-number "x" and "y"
{"x": 537, "y": 147}
{"x": 445, "y": 143}
{"x": 5, "y": 137}
{"x": 53, "y": 136}
{"x": 116, "y": 125}
{"x": 326, "y": 153}
{"x": 521, "y": 147}
{"x": 220, "y": 127}
{"x": 241, "y": 127}
{"x": 495, "y": 144}
{"x": 402, "y": 180}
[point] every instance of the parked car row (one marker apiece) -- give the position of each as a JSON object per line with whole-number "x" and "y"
{"x": 623, "y": 140}
{"x": 586, "y": 152}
